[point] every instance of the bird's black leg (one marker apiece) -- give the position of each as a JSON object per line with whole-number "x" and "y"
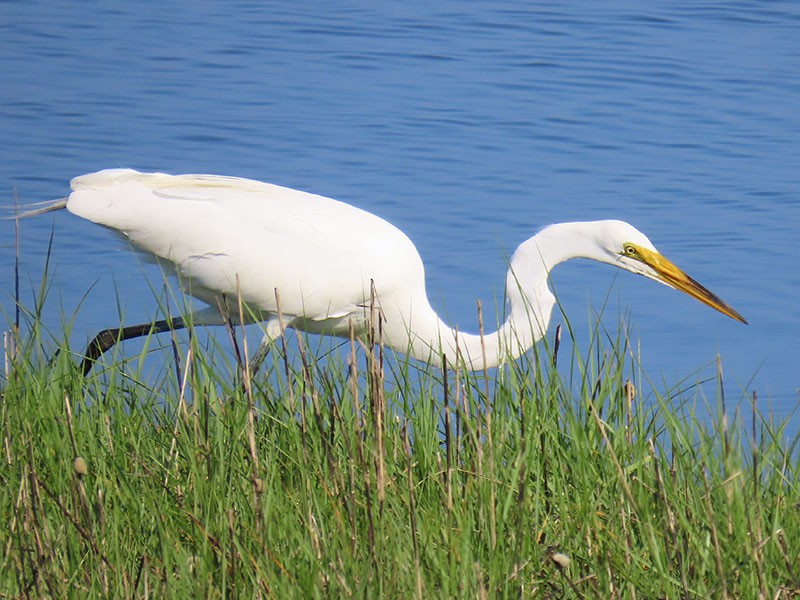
{"x": 108, "y": 337}
{"x": 273, "y": 331}
{"x": 259, "y": 356}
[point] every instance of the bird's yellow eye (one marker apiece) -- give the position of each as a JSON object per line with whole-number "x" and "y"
{"x": 629, "y": 250}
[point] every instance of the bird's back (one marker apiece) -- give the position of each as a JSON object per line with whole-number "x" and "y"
{"x": 319, "y": 253}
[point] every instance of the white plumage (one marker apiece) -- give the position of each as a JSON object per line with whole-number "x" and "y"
{"x": 323, "y": 256}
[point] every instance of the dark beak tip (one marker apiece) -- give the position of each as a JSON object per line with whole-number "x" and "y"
{"x": 738, "y": 317}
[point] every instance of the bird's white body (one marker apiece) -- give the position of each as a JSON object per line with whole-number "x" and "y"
{"x": 321, "y": 255}
{"x": 330, "y": 262}
{"x": 268, "y": 236}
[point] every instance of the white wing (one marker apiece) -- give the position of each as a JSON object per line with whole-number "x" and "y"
{"x": 319, "y": 253}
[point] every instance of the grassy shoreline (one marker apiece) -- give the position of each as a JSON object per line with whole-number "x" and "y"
{"x": 369, "y": 478}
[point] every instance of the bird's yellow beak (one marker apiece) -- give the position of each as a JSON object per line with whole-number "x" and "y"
{"x": 670, "y": 274}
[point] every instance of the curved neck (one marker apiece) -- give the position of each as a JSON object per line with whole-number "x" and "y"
{"x": 529, "y": 299}
{"x": 529, "y": 305}
{"x": 431, "y": 337}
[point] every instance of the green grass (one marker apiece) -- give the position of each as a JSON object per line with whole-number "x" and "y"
{"x": 333, "y": 478}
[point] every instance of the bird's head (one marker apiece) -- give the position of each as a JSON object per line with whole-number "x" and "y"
{"x": 628, "y": 248}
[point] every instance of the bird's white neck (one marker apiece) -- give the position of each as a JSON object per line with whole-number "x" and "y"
{"x": 529, "y": 301}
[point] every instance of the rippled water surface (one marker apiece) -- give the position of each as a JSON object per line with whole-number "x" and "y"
{"x": 469, "y": 125}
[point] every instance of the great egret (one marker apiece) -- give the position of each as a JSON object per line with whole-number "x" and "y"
{"x": 328, "y": 262}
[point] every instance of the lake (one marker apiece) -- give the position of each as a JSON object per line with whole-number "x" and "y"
{"x": 468, "y": 125}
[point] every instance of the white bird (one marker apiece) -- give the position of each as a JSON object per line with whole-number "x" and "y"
{"x": 327, "y": 263}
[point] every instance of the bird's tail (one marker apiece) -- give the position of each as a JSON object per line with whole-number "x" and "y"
{"x": 37, "y": 208}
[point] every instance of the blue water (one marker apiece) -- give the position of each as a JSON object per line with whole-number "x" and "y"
{"x": 469, "y": 125}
